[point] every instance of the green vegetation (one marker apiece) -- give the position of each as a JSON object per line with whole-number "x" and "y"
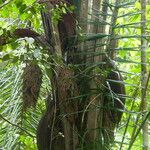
{"x": 111, "y": 35}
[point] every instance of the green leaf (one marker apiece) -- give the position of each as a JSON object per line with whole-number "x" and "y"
{"x": 29, "y": 40}
{"x": 37, "y": 53}
{"x": 6, "y": 57}
{"x": 91, "y": 37}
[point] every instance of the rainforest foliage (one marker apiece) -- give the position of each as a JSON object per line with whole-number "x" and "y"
{"x": 74, "y": 74}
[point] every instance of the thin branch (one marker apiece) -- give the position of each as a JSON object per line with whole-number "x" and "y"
{"x": 18, "y": 33}
{"x": 16, "y": 126}
{"x": 26, "y": 32}
{"x": 6, "y": 3}
{"x": 137, "y": 119}
{"x": 138, "y": 131}
{"x": 135, "y": 94}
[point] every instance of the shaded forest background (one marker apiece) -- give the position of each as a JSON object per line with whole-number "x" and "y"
{"x": 74, "y": 74}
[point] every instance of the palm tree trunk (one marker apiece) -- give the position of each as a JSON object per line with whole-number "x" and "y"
{"x": 94, "y": 100}
{"x": 144, "y": 75}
